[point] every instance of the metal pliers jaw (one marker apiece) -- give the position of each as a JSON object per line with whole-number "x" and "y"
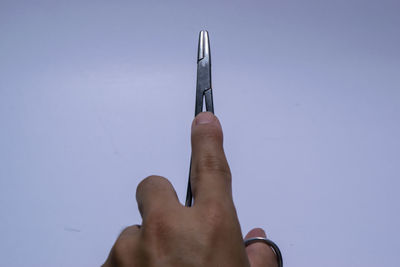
{"x": 203, "y": 86}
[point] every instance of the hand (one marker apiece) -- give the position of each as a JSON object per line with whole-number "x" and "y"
{"x": 206, "y": 234}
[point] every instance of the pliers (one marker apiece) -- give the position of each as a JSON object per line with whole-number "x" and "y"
{"x": 203, "y": 90}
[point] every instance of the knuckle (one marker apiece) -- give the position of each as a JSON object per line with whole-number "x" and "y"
{"x": 218, "y": 221}
{"x": 209, "y": 133}
{"x": 151, "y": 182}
{"x": 158, "y": 224}
{"x": 155, "y": 217}
{"x": 129, "y": 231}
{"x": 215, "y": 215}
{"x": 215, "y": 164}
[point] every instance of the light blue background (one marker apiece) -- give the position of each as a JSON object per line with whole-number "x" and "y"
{"x": 97, "y": 95}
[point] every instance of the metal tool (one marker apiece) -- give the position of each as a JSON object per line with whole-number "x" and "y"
{"x": 203, "y": 90}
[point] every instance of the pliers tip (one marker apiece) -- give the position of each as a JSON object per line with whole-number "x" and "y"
{"x": 204, "y": 46}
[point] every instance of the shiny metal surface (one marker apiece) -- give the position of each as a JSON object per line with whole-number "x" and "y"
{"x": 203, "y": 86}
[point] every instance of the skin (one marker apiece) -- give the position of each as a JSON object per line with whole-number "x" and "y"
{"x": 206, "y": 234}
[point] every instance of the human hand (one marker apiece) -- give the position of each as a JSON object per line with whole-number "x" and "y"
{"x": 206, "y": 234}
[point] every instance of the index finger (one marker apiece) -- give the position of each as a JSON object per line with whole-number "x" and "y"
{"x": 210, "y": 173}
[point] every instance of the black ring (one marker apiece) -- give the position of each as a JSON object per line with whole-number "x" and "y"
{"x": 270, "y": 243}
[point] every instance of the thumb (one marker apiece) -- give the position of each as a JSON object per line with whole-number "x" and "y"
{"x": 260, "y": 254}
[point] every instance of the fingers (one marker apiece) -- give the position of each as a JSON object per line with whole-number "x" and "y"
{"x": 121, "y": 253}
{"x": 155, "y": 194}
{"x": 260, "y": 254}
{"x": 210, "y": 174}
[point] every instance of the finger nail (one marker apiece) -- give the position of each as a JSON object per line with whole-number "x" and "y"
{"x": 256, "y": 232}
{"x": 204, "y": 118}
{"x": 259, "y": 232}
{"x": 262, "y": 232}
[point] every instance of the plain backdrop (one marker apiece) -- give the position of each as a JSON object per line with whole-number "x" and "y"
{"x": 97, "y": 95}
